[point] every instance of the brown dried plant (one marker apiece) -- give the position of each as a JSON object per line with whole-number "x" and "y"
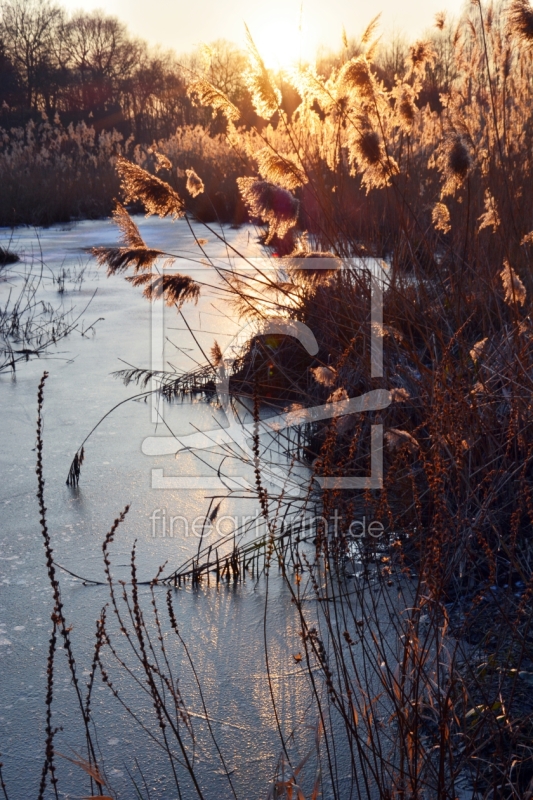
{"x": 520, "y": 18}
{"x": 421, "y": 54}
{"x": 356, "y": 76}
{"x": 216, "y": 354}
{"x": 441, "y": 217}
{"x": 515, "y": 291}
{"x": 271, "y": 204}
{"x": 265, "y": 96}
{"x": 282, "y": 170}
{"x": 156, "y": 195}
{"x": 195, "y": 185}
{"x": 133, "y": 253}
{"x": 177, "y": 289}
{"x": 205, "y": 94}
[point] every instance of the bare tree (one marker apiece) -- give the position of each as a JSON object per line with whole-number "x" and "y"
{"x": 222, "y": 63}
{"x": 99, "y": 52}
{"x": 28, "y": 29}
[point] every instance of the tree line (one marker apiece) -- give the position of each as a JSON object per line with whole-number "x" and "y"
{"x": 87, "y": 66}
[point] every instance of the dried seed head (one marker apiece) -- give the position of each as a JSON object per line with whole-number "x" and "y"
{"x": 216, "y": 354}
{"x": 440, "y": 20}
{"x": 280, "y": 169}
{"x": 204, "y": 93}
{"x": 399, "y": 395}
{"x": 459, "y": 158}
{"x": 398, "y": 438}
{"x": 369, "y": 147}
{"x": 326, "y": 376}
{"x": 441, "y": 217}
{"x": 406, "y": 109}
{"x": 515, "y": 291}
{"x": 270, "y": 203}
{"x": 477, "y": 350}
{"x": 370, "y": 30}
{"x": 119, "y": 259}
{"x": 129, "y": 232}
{"x": 161, "y": 161}
{"x": 405, "y": 105}
{"x": 520, "y": 21}
{"x": 176, "y": 289}
{"x": 195, "y": 185}
{"x": 355, "y": 75}
{"x": 313, "y": 266}
{"x": 134, "y": 252}
{"x": 478, "y": 388}
{"x": 491, "y": 218}
{"x": 265, "y": 96}
{"x": 156, "y": 195}
{"x": 420, "y": 54}
{"x": 340, "y": 395}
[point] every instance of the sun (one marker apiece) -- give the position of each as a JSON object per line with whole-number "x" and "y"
{"x": 284, "y": 40}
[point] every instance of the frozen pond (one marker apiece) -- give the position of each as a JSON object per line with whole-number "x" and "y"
{"x": 226, "y": 628}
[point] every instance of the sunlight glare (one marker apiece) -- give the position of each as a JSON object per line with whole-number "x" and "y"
{"x": 285, "y": 39}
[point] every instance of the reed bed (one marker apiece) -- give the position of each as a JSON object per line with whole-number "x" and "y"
{"x": 417, "y": 645}
{"x": 54, "y": 173}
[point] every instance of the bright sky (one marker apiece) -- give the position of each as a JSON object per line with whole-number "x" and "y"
{"x": 274, "y": 24}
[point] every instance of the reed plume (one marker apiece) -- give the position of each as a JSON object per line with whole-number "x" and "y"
{"x": 156, "y": 195}
{"x": 161, "y": 161}
{"x": 405, "y": 105}
{"x": 195, "y": 185}
{"x": 491, "y": 218}
{"x": 441, "y": 217}
{"x": 455, "y": 162}
{"x": 369, "y": 147}
{"x": 177, "y": 289}
{"x": 326, "y": 376}
{"x": 300, "y": 264}
{"x": 204, "y": 93}
{"x": 420, "y": 55}
{"x": 520, "y": 20}
{"x": 459, "y": 160}
{"x": 280, "y": 169}
{"x": 515, "y": 291}
{"x": 399, "y": 395}
{"x": 440, "y": 20}
{"x": 477, "y": 351}
{"x": 355, "y": 76}
{"x": 271, "y": 204}
{"x": 132, "y": 253}
{"x": 216, "y": 354}
{"x": 370, "y": 30}
{"x": 399, "y": 438}
{"x": 266, "y": 97}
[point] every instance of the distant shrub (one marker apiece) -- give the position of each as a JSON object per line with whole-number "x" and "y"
{"x": 7, "y": 257}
